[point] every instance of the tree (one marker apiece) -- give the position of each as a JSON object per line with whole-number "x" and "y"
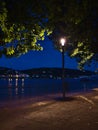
{"x": 24, "y": 23}
{"x": 20, "y": 28}
{"x": 78, "y": 21}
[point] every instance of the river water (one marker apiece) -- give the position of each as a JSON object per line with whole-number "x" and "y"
{"x": 11, "y": 89}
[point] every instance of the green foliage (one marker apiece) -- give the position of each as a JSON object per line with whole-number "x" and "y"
{"x": 10, "y": 51}
{"x": 24, "y": 23}
{"x": 82, "y": 53}
{"x": 19, "y": 35}
{"x": 77, "y": 20}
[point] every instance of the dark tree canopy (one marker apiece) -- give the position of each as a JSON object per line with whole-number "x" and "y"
{"x": 22, "y": 26}
{"x": 24, "y": 23}
{"x": 79, "y": 24}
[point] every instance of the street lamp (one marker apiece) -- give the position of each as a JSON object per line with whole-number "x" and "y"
{"x": 63, "y": 42}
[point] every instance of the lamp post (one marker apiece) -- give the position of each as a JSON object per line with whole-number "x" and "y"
{"x": 63, "y": 42}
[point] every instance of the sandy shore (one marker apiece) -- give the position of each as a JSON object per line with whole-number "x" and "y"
{"x": 77, "y": 112}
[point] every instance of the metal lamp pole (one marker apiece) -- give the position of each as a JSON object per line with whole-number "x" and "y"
{"x": 62, "y": 41}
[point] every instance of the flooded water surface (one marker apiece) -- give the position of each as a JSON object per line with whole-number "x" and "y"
{"x": 11, "y": 89}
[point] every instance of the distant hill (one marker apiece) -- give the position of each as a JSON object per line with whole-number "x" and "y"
{"x": 55, "y": 72}
{"x": 3, "y": 70}
{"x": 11, "y": 73}
{"x": 46, "y": 72}
{"x": 6, "y": 71}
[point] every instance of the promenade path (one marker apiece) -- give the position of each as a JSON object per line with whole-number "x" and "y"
{"x": 78, "y": 112}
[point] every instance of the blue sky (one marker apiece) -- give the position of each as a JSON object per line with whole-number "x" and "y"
{"x": 49, "y": 57}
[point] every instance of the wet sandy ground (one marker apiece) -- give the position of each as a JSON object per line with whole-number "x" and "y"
{"x": 78, "y": 112}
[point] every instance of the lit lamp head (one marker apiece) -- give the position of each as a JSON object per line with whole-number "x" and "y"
{"x": 62, "y": 41}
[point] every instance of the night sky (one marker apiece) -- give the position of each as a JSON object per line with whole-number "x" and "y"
{"x": 49, "y": 57}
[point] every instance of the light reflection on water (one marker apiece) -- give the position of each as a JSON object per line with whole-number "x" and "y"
{"x": 19, "y": 87}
